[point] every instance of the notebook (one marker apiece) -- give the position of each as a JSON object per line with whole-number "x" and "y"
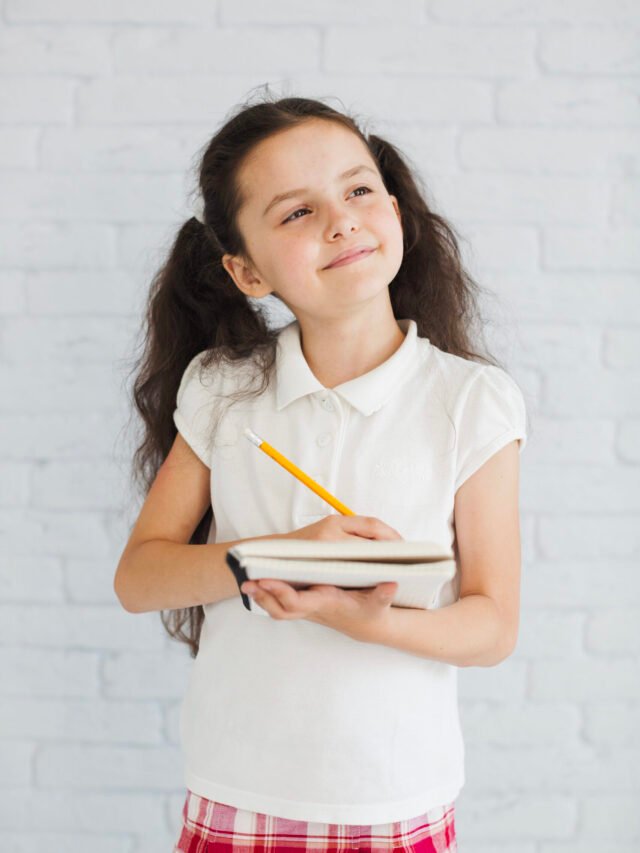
{"x": 421, "y": 569}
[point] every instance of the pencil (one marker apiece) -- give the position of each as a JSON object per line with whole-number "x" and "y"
{"x": 299, "y": 474}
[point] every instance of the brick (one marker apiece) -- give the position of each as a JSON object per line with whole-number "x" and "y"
{"x": 52, "y": 50}
{"x": 77, "y": 810}
{"x": 69, "y": 626}
{"x": 575, "y": 297}
{"x": 123, "y": 198}
{"x": 155, "y": 50}
{"x": 88, "y": 720}
{"x": 571, "y": 583}
{"x": 15, "y": 484}
{"x": 116, "y": 12}
{"x": 594, "y": 391}
{"x": 621, "y": 349}
{"x": 52, "y": 436}
{"x": 570, "y": 440}
{"x": 34, "y": 842}
{"x": 70, "y": 484}
{"x": 591, "y": 249}
{"x": 432, "y": 50}
{"x": 16, "y": 760}
{"x": 13, "y": 297}
{"x": 567, "y": 771}
{"x": 290, "y": 12}
{"x": 550, "y": 634}
{"x": 26, "y": 99}
{"x": 520, "y": 199}
{"x": 520, "y": 723}
{"x": 629, "y": 439}
{"x": 574, "y": 488}
{"x": 542, "y": 12}
{"x": 586, "y": 680}
{"x": 29, "y": 533}
{"x": 500, "y": 247}
{"x": 569, "y": 101}
{"x": 138, "y": 100}
{"x": 614, "y": 630}
{"x": 19, "y": 147}
{"x": 547, "y": 150}
{"x": 148, "y": 675}
{"x": 608, "y": 536}
{"x": 61, "y": 387}
{"x": 91, "y": 581}
{"x": 58, "y": 245}
{"x": 108, "y": 767}
{"x": 551, "y": 344}
{"x": 614, "y": 723}
{"x": 85, "y": 340}
{"x": 570, "y": 50}
{"x": 42, "y": 672}
{"x": 506, "y": 816}
{"x": 625, "y": 206}
{"x": 493, "y": 683}
{"x": 120, "y": 149}
{"x": 29, "y": 579}
{"x": 583, "y": 845}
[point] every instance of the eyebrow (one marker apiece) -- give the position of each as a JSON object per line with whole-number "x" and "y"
{"x": 291, "y": 193}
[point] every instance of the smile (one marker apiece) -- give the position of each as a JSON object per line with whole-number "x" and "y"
{"x": 353, "y": 259}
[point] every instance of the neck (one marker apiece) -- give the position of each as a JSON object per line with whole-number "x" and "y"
{"x": 341, "y": 351}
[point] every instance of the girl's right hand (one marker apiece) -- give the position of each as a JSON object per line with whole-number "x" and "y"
{"x": 336, "y": 527}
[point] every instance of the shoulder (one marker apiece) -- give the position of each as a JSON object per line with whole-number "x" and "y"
{"x": 463, "y": 376}
{"x": 452, "y": 373}
{"x": 476, "y": 396}
{"x": 209, "y": 374}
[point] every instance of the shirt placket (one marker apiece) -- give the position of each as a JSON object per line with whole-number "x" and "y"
{"x": 327, "y": 433}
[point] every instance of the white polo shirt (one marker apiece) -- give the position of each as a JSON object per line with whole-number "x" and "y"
{"x": 292, "y": 718}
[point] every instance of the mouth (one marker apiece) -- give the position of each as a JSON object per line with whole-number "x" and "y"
{"x": 358, "y": 256}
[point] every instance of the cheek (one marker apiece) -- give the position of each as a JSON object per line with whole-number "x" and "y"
{"x": 385, "y": 225}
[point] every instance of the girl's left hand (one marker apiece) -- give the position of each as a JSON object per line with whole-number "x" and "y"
{"x": 359, "y": 613}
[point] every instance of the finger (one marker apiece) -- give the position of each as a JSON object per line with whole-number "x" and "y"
{"x": 284, "y": 600}
{"x": 269, "y": 603}
{"x": 283, "y": 593}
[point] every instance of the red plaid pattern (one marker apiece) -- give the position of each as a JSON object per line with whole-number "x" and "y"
{"x": 210, "y": 826}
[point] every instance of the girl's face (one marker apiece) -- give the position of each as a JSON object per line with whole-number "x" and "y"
{"x": 292, "y": 241}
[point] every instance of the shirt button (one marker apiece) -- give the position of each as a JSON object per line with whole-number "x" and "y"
{"x": 327, "y": 405}
{"x": 323, "y": 439}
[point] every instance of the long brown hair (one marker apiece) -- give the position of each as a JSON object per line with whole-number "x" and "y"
{"x": 193, "y": 304}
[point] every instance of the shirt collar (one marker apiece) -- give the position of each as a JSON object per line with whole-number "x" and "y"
{"x": 366, "y": 393}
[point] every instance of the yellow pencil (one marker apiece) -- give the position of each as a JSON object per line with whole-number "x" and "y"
{"x": 293, "y": 469}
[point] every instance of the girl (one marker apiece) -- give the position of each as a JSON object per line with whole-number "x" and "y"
{"x": 334, "y": 723}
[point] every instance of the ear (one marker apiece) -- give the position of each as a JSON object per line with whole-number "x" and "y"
{"x": 244, "y": 278}
{"x": 396, "y": 206}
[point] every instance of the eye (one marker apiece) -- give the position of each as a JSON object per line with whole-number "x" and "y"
{"x": 292, "y": 217}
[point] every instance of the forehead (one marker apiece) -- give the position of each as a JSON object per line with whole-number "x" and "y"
{"x": 311, "y": 154}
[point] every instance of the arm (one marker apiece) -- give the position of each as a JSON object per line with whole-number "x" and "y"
{"x": 159, "y": 569}
{"x": 160, "y": 574}
{"x": 481, "y": 628}
{"x": 467, "y": 633}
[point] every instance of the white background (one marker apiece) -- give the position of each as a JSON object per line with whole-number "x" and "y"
{"x": 524, "y": 121}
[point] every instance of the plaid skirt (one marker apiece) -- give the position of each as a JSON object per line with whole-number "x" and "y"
{"x": 210, "y": 826}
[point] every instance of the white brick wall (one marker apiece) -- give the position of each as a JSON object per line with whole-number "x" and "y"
{"x": 524, "y": 121}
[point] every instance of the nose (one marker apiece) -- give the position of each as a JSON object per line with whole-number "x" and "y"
{"x": 341, "y": 221}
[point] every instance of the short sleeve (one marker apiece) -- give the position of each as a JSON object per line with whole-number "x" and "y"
{"x": 491, "y": 414}
{"x": 194, "y": 410}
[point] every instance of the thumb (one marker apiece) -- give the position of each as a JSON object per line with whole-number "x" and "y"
{"x": 386, "y": 592}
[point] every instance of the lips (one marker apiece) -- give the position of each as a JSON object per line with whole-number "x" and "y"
{"x": 350, "y": 254}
